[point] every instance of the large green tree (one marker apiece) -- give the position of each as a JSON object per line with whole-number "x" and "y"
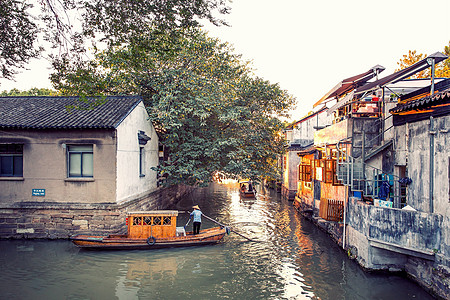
{"x": 212, "y": 113}
{"x": 18, "y": 33}
{"x": 73, "y": 25}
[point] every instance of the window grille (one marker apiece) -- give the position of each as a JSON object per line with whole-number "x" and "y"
{"x": 167, "y": 220}
{"x": 157, "y": 220}
{"x": 147, "y": 220}
{"x": 137, "y": 220}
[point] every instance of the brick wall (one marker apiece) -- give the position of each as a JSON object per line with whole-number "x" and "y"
{"x": 52, "y": 220}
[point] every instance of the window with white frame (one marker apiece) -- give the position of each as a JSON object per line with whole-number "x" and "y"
{"x": 11, "y": 160}
{"x": 141, "y": 161}
{"x": 80, "y": 161}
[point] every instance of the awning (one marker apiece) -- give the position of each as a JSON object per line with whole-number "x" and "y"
{"x": 307, "y": 150}
{"x": 341, "y": 102}
{"x": 402, "y": 74}
{"x": 350, "y": 83}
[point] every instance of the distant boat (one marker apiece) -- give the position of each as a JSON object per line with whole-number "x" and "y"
{"x": 151, "y": 230}
{"x": 246, "y": 189}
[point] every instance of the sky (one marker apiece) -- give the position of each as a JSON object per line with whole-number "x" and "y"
{"x": 310, "y": 46}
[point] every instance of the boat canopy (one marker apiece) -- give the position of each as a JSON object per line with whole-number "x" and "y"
{"x": 152, "y": 224}
{"x": 155, "y": 213}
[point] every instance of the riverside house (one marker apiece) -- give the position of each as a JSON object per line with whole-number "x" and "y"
{"x": 65, "y": 171}
{"x": 317, "y": 178}
{"x": 383, "y": 168}
{"x": 300, "y": 136}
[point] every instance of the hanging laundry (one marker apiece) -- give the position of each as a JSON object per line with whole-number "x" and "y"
{"x": 385, "y": 188}
{"x": 405, "y": 180}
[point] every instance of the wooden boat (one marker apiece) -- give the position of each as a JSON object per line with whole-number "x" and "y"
{"x": 246, "y": 189}
{"x": 151, "y": 230}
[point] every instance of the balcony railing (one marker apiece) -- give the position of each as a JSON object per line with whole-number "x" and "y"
{"x": 369, "y": 181}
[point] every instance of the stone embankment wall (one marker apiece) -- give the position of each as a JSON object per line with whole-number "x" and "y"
{"x": 43, "y": 220}
{"x": 394, "y": 240}
{"x": 398, "y": 240}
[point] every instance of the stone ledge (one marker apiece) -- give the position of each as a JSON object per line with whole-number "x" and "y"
{"x": 12, "y": 179}
{"x": 79, "y": 179}
{"x": 421, "y": 253}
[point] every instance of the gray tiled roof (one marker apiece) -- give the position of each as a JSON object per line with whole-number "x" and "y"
{"x": 423, "y": 102}
{"x": 52, "y": 112}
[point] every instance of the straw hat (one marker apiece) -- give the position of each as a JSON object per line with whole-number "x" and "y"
{"x": 196, "y": 207}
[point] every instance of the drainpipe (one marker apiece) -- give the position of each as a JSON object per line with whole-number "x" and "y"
{"x": 382, "y": 114}
{"x": 431, "y": 62}
{"x": 432, "y": 132}
{"x": 363, "y": 157}
{"x": 345, "y": 218}
{"x": 345, "y": 201}
{"x": 314, "y": 187}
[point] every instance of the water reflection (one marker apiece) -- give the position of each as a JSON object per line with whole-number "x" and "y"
{"x": 294, "y": 260}
{"x": 139, "y": 273}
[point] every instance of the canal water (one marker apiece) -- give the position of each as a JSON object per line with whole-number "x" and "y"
{"x": 293, "y": 260}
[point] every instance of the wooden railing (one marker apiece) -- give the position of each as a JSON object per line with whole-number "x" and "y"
{"x": 331, "y": 210}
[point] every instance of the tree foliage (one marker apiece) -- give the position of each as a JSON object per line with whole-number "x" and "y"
{"x": 213, "y": 115}
{"x": 441, "y": 70}
{"x": 18, "y": 34}
{"x": 30, "y": 92}
{"x": 411, "y": 58}
{"x": 70, "y": 24}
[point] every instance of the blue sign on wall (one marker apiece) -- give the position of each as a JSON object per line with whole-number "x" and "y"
{"x": 38, "y": 192}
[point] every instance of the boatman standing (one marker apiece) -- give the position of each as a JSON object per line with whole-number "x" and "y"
{"x": 197, "y": 219}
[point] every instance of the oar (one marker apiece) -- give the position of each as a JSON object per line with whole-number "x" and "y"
{"x": 187, "y": 223}
{"x": 231, "y": 229}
